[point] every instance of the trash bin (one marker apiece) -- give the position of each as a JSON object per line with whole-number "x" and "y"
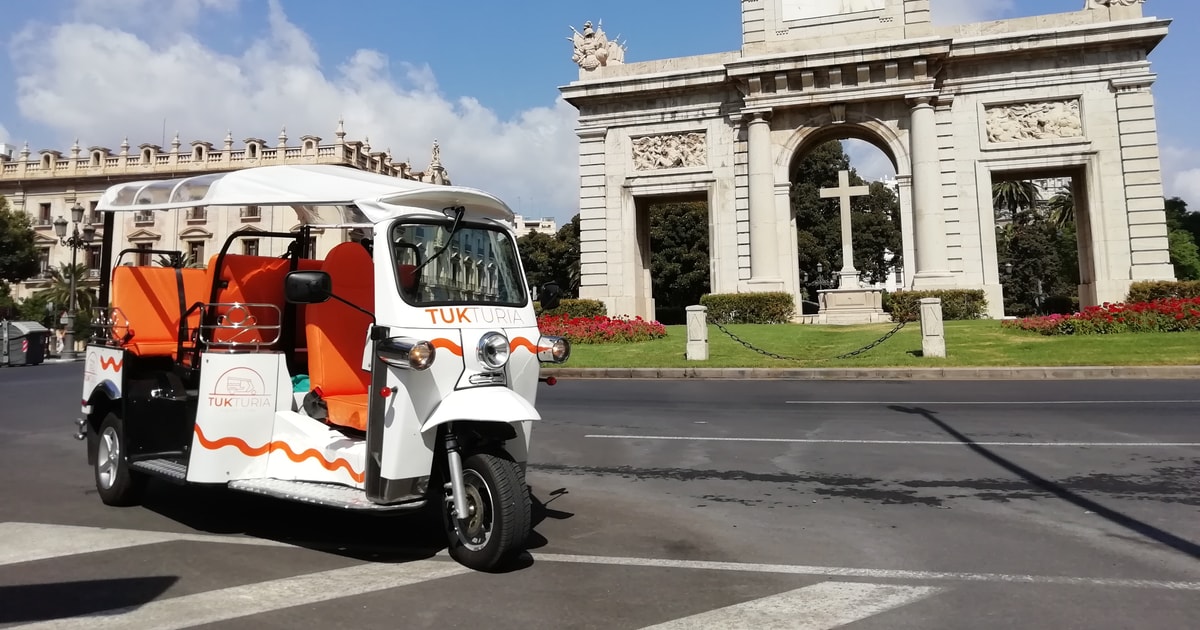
{"x": 24, "y": 343}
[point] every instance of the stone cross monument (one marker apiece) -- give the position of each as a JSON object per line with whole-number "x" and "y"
{"x": 844, "y": 192}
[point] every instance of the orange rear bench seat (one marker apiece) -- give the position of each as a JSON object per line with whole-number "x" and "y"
{"x": 148, "y": 299}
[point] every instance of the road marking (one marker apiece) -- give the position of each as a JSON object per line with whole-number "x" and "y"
{"x": 897, "y": 442}
{"x": 27, "y": 542}
{"x": 49, "y": 532}
{"x": 871, "y": 574}
{"x": 993, "y": 402}
{"x": 817, "y": 607}
{"x": 235, "y": 602}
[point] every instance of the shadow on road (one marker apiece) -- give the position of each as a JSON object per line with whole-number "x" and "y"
{"x": 1124, "y": 520}
{"x": 390, "y": 537}
{"x": 60, "y": 600}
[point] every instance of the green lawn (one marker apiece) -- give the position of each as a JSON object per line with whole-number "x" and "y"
{"x": 980, "y": 343}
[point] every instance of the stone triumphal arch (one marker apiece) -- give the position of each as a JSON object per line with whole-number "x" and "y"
{"x": 954, "y": 107}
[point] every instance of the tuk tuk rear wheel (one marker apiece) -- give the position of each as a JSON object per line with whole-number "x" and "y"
{"x": 498, "y": 521}
{"x": 116, "y": 483}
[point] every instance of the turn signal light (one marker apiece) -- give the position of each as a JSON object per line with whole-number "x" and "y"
{"x": 553, "y": 350}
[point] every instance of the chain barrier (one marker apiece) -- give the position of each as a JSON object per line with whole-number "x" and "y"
{"x": 847, "y": 355}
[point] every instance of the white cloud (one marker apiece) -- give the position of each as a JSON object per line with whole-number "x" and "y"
{"x": 1181, "y": 174}
{"x": 946, "y": 12}
{"x": 100, "y": 84}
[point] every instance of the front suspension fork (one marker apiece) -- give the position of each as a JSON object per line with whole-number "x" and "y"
{"x": 456, "y": 486}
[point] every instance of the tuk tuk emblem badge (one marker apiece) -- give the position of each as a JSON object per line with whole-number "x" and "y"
{"x": 239, "y": 388}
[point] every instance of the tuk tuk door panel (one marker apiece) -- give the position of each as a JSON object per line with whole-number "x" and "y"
{"x": 235, "y": 418}
{"x": 102, "y": 367}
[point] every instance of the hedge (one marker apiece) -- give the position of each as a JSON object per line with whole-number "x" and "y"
{"x": 1149, "y": 291}
{"x": 957, "y": 304}
{"x": 750, "y": 308}
{"x": 574, "y": 308}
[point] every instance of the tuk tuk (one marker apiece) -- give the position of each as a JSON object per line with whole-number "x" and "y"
{"x": 398, "y": 371}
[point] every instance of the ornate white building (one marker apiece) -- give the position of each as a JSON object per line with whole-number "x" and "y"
{"x": 46, "y": 185}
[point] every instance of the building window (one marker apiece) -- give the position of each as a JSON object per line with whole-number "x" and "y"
{"x": 93, "y": 261}
{"x": 94, "y": 216}
{"x": 43, "y": 262}
{"x": 143, "y": 216}
{"x": 196, "y": 251}
{"x": 250, "y": 246}
{"x": 197, "y": 214}
{"x": 43, "y": 218}
{"x": 143, "y": 257}
{"x": 251, "y": 213}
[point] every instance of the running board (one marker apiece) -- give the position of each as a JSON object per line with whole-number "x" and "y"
{"x": 324, "y": 494}
{"x": 166, "y": 468}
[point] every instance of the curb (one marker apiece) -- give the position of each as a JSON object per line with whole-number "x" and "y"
{"x": 1163, "y": 372}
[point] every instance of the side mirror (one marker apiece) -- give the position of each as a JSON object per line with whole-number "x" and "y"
{"x": 307, "y": 287}
{"x": 550, "y": 296}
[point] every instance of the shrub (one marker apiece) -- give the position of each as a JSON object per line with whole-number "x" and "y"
{"x": 1149, "y": 291}
{"x": 750, "y": 308}
{"x": 600, "y": 329}
{"x": 1171, "y": 315}
{"x": 957, "y": 304}
{"x": 575, "y": 308}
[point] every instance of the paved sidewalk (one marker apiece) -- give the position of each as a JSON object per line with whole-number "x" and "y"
{"x": 907, "y": 373}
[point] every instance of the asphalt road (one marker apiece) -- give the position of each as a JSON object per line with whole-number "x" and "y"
{"x": 671, "y": 504}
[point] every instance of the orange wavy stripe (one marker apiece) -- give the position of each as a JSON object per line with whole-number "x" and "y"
{"x": 111, "y": 364}
{"x": 286, "y": 448}
{"x": 454, "y": 348}
{"x": 521, "y": 342}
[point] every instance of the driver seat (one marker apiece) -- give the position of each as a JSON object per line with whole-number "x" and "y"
{"x": 337, "y": 336}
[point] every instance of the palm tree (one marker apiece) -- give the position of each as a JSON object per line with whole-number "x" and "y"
{"x": 1062, "y": 208}
{"x": 1009, "y": 197}
{"x": 59, "y": 293}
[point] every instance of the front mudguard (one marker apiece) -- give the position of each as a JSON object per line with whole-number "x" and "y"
{"x": 498, "y": 412}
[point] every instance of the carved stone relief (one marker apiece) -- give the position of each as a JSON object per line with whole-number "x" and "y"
{"x": 1092, "y": 4}
{"x": 679, "y": 150}
{"x": 1034, "y": 121}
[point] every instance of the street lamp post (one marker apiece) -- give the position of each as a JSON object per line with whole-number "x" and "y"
{"x": 77, "y": 241}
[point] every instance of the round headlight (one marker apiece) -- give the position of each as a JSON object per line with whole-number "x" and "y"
{"x": 493, "y": 350}
{"x": 560, "y": 350}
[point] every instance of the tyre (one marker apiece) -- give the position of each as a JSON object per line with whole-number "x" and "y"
{"x": 116, "y": 483}
{"x": 498, "y": 513}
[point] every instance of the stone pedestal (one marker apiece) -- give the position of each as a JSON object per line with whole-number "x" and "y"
{"x": 697, "y": 332}
{"x": 852, "y": 306}
{"x": 933, "y": 337}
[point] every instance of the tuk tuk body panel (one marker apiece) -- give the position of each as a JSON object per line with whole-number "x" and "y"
{"x": 102, "y": 370}
{"x": 302, "y": 449}
{"x": 239, "y": 394}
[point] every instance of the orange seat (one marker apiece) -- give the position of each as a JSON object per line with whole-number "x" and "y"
{"x": 148, "y": 299}
{"x": 337, "y": 336}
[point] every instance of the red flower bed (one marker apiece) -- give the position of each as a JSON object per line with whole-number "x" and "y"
{"x": 600, "y": 329}
{"x": 1171, "y": 315}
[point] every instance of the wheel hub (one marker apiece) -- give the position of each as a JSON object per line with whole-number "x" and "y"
{"x": 476, "y": 529}
{"x": 107, "y": 458}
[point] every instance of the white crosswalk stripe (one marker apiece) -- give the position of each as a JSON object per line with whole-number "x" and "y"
{"x": 818, "y": 607}
{"x": 26, "y": 542}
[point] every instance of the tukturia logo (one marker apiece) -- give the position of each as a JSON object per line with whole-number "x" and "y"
{"x": 240, "y": 388}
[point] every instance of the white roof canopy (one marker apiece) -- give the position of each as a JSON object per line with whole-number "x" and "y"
{"x": 377, "y": 197}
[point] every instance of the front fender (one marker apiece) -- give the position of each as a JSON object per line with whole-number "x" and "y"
{"x": 482, "y": 404}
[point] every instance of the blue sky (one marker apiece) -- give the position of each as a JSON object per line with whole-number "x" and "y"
{"x": 480, "y": 77}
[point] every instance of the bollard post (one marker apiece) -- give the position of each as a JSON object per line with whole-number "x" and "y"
{"x": 697, "y": 332}
{"x": 933, "y": 337}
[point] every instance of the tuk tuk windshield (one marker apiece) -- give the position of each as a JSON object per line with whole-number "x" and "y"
{"x": 479, "y": 265}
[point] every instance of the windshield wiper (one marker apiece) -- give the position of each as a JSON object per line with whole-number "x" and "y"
{"x": 458, "y": 211}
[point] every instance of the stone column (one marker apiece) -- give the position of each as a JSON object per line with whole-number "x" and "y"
{"x": 932, "y": 267}
{"x": 764, "y": 251}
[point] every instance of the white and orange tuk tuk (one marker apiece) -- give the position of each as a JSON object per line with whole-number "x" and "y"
{"x": 397, "y": 372}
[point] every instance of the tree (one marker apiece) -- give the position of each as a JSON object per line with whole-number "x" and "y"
{"x": 1185, "y": 255}
{"x": 1062, "y": 208}
{"x": 59, "y": 293}
{"x": 1010, "y": 197}
{"x": 874, "y": 218}
{"x": 542, "y": 258}
{"x": 679, "y": 259}
{"x": 18, "y": 256}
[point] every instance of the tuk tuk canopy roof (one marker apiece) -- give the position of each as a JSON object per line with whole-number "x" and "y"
{"x": 377, "y": 197}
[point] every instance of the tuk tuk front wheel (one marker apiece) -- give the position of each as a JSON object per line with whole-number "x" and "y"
{"x": 115, "y": 482}
{"x": 497, "y": 523}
